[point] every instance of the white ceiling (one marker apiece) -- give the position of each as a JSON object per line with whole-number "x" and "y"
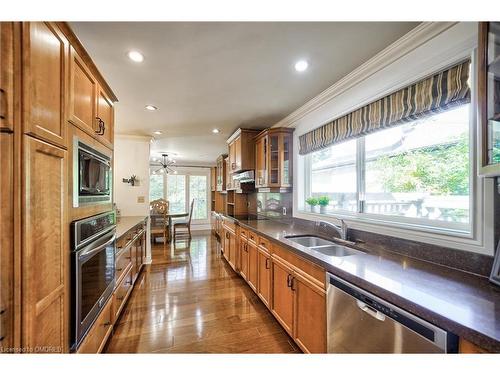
{"x": 222, "y": 75}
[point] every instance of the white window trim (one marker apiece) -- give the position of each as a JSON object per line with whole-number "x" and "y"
{"x": 479, "y": 239}
{"x": 192, "y": 171}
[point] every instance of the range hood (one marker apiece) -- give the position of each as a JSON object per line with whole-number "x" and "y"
{"x": 244, "y": 177}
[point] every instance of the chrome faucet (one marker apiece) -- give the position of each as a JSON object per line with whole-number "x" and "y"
{"x": 341, "y": 230}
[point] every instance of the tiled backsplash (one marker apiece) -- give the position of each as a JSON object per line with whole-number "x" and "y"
{"x": 272, "y": 205}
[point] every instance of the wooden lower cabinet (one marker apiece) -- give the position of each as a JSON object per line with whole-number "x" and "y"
{"x": 45, "y": 255}
{"x": 466, "y": 347}
{"x": 264, "y": 276}
{"x": 100, "y": 331}
{"x": 244, "y": 259}
{"x": 309, "y": 310}
{"x": 121, "y": 293}
{"x": 282, "y": 294}
{"x": 230, "y": 247}
{"x": 253, "y": 259}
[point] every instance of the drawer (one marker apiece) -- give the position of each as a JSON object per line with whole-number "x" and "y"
{"x": 99, "y": 333}
{"x": 252, "y": 237}
{"x": 305, "y": 267}
{"x": 243, "y": 233}
{"x": 121, "y": 293}
{"x": 229, "y": 224}
{"x": 122, "y": 261}
{"x": 264, "y": 244}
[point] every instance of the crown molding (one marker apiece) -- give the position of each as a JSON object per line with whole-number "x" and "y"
{"x": 401, "y": 47}
{"x": 144, "y": 138}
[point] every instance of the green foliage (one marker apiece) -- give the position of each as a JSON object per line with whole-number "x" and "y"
{"x": 323, "y": 201}
{"x": 311, "y": 201}
{"x": 440, "y": 170}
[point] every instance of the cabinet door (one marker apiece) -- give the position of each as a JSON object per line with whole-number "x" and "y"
{"x": 282, "y": 294}
{"x": 244, "y": 259}
{"x": 309, "y": 327}
{"x": 82, "y": 95}
{"x": 264, "y": 272}
{"x": 232, "y": 158}
{"x": 232, "y": 250}
{"x": 237, "y": 154}
{"x": 261, "y": 162}
{"x": 274, "y": 160}
{"x": 105, "y": 113}
{"x": 253, "y": 265}
{"x": 45, "y": 58}
{"x": 229, "y": 176}
{"x": 45, "y": 248}
{"x": 7, "y": 75}
{"x": 286, "y": 160}
{"x": 6, "y": 240}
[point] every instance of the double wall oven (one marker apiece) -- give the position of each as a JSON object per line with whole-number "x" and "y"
{"x": 92, "y": 176}
{"x": 92, "y": 270}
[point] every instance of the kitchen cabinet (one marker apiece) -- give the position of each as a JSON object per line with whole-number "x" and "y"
{"x": 253, "y": 264}
{"x": 7, "y": 75}
{"x": 282, "y": 294}
{"x": 45, "y": 247}
{"x": 221, "y": 173}
{"x": 45, "y": 52}
{"x": 89, "y": 107}
{"x": 243, "y": 253}
{"x": 241, "y": 146}
{"x": 466, "y": 347}
{"x": 274, "y": 158}
{"x": 6, "y": 241}
{"x": 102, "y": 328}
{"x": 229, "y": 175}
{"x": 264, "y": 276}
{"x": 213, "y": 178}
{"x": 489, "y": 97}
{"x": 230, "y": 247}
{"x": 309, "y": 305}
{"x": 121, "y": 293}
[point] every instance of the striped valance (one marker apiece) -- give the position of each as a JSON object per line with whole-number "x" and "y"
{"x": 435, "y": 94}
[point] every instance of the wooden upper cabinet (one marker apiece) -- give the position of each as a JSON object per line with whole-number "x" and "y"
{"x": 221, "y": 173}
{"x": 273, "y": 158}
{"x": 105, "y": 115}
{"x": 241, "y": 147}
{"x": 45, "y": 88}
{"x": 90, "y": 107}
{"x": 282, "y": 294}
{"x": 309, "y": 326}
{"x": 82, "y": 95}
{"x": 45, "y": 254}
{"x": 229, "y": 175}
{"x": 7, "y": 75}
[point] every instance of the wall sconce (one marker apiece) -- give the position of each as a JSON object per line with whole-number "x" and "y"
{"x": 133, "y": 180}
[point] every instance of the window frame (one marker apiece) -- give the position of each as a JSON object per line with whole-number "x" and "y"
{"x": 476, "y": 201}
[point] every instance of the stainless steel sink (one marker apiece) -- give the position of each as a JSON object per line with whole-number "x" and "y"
{"x": 335, "y": 250}
{"x": 323, "y": 246}
{"x": 309, "y": 241}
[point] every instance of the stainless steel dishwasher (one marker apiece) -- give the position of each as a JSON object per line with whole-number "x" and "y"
{"x": 359, "y": 322}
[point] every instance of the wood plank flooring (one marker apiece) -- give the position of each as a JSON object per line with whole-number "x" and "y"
{"x": 190, "y": 301}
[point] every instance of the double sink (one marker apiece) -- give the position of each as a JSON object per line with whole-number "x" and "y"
{"x": 322, "y": 246}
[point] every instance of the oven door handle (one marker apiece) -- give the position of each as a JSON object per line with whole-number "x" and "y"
{"x": 93, "y": 248}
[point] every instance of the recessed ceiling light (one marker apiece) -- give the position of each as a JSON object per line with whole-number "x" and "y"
{"x": 301, "y": 65}
{"x": 150, "y": 107}
{"x": 157, "y": 132}
{"x": 216, "y": 131}
{"x": 135, "y": 56}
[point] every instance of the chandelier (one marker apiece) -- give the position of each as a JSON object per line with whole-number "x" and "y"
{"x": 165, "y": 165}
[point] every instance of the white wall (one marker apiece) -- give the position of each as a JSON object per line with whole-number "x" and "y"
{"x": 131, "y": 157}
{"x": 431, "y": 47}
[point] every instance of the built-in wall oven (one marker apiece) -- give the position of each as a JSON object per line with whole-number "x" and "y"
{"x": 92, "y": 178}
{"x": 92, "y": 270}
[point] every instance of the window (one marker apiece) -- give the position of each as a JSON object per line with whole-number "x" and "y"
{"x": 418, "y": 172}
{"x": 180, "y": 189}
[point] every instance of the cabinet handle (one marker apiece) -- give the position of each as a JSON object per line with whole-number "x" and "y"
{"x": 267, "y": 263}
{"x": 101, "y": 125}
{"x": 292, "y": 283}
{"x": 289, "y": 281}
{"x": 3, "y": 104}
{"x": 233, "y": 165}
{"x": 120, "y": 298}
{"x": 108, "y": 323}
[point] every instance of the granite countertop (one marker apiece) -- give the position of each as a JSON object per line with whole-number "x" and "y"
{"x": 462, "y": 303}
{"x": 125, "y": 223}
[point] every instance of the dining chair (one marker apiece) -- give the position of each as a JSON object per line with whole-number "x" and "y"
{"x": 158, "y": 210}
{"x": 185, "y": 223}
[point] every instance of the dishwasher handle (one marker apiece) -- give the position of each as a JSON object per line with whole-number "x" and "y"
{"x": 370, "y": 311}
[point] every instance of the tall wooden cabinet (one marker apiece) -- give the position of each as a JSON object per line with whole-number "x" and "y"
{"x": 273, "y": 150}
{"x": 36, "y": 61}
{"x": 241, "y": 146}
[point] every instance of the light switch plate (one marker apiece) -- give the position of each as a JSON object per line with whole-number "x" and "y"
{"x": 140, "y": 199}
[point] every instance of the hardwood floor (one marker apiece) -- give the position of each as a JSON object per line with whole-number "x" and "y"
{"x": 190, "y": 301}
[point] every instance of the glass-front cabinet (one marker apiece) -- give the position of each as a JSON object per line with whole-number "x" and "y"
{"x": 274, "y": 158}
{"x": 489, "y": 97}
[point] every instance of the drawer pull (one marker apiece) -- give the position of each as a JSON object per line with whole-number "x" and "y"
{"x": 292, "y": 283}
{"x": 120, "y": 298}
{"x": 108, "y": 323}
{"x": 1, "y": 338}
{"x": 3, "y": 104}
{"x": 119, "y": 269}
{"x": 267, "y": 263}
{"x": 289, "y": 280}
{"x": 2, "y": 311}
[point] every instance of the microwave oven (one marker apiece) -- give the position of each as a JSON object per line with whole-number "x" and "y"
{"x": 92, "y": 178}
